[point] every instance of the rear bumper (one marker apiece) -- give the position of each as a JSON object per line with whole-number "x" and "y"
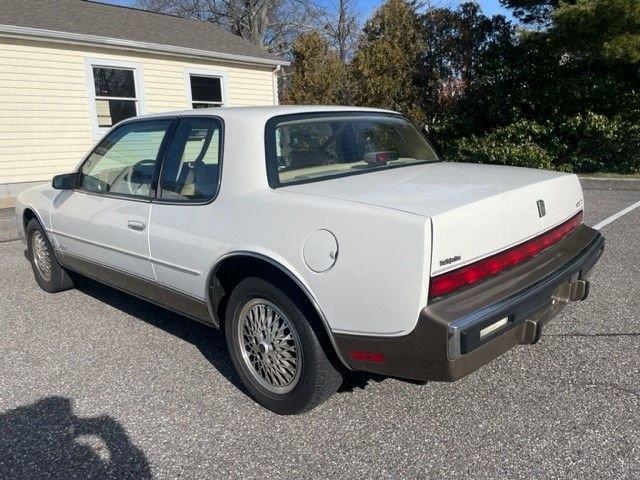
{"x": 462, "y": 332}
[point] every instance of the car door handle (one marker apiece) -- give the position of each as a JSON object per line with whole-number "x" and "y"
{"x": 137, "y": 226}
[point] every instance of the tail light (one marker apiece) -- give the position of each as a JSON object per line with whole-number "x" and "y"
{"x": 366, "y": 356}
{"x": 448, "y": 282}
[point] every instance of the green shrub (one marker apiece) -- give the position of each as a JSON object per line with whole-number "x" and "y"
{"x": 595, "y": 143}
{"x": 520, "y": 144}
{"x": 584, "y": 143}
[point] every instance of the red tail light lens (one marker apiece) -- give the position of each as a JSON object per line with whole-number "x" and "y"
{"x": 367, "y": 356}
{"x": 448, "y": 282}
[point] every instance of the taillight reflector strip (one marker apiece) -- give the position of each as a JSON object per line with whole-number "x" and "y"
{"x": 366, "y": 356}
{"x": 464, "y": 276}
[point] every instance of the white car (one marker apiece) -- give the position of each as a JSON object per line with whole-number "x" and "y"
{"x": 322, "y": 239}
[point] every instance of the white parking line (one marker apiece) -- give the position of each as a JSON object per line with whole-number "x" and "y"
{"x": 616, "y": 216}
{"x": 611, "y": 179}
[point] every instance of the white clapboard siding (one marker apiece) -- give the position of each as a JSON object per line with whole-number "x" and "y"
{"x": 45, "y": 123}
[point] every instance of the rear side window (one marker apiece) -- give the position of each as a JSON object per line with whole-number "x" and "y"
{"x": 317, "y": 147}
{"x": 191, "y": 171}
{"x": 125, "y": 161}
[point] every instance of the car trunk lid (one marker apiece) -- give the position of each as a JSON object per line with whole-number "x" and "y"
{"x": 475, "y": 210}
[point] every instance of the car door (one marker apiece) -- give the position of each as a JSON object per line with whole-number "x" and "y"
{"x": 184, "y": 211}
{"x": 104, "y": 221}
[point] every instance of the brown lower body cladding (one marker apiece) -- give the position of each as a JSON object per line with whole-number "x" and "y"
{"x": 448, "y": 341}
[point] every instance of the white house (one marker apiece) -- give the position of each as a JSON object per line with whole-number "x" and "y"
{"x": 69, "y": 69}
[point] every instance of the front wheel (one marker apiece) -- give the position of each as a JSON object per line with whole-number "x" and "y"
{"x": 49, "y": 274}
{"x": 276, "y": 351}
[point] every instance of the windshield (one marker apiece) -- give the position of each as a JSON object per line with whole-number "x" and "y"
{"x": 321, "y": 146}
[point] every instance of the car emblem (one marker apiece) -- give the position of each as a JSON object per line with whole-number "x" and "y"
{"x": 449, "y": 261}
{"x": 541, "y": 209}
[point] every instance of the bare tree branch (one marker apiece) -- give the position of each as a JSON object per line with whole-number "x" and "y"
{"x": 272, "y": 24}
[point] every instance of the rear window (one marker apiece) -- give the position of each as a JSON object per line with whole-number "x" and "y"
{"x": 315, "y": 147}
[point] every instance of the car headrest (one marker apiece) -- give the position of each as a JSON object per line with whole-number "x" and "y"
{"x": 303, "y": 158}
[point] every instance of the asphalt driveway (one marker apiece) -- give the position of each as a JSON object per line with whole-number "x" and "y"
{"x": 97, "y": 384}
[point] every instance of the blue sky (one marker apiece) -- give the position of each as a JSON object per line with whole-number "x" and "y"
{"x": 489, "y": 7}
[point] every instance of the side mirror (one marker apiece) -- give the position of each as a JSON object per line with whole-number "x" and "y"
{"x": 66, "y": 181}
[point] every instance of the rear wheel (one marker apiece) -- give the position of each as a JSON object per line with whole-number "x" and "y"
{"x": 275, "y": 349}
{"x": 49, "y": 274}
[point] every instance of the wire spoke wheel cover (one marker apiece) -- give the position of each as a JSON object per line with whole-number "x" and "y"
{"x": 270, "y": 346}
{"x": 41, "y": 256}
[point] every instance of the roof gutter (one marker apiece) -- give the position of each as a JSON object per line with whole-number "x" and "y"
{"x": 14, "y": 31}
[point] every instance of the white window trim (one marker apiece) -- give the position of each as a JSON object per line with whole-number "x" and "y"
{"x": 274, "y": 84}
{"x": 206, "y": 73}
{"x": 141, "y": 105}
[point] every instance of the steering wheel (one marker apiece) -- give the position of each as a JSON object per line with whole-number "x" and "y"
{"x": 128, "y": 176}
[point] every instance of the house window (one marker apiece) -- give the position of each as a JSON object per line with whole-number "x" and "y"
{"x": 206, "y": 91}
{"x": 115, "y": 93}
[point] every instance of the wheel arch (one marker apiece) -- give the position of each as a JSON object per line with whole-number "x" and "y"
{"x": 231, "y": 268}
{"x": 28, "y": 214}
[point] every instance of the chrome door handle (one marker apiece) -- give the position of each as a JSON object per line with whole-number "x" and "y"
{"x": 137, "y": 226}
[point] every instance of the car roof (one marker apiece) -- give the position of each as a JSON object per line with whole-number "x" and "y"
{"x": 263, "y": 113}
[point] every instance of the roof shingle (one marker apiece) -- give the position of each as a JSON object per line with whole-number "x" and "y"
{"x": 110, "y": 21}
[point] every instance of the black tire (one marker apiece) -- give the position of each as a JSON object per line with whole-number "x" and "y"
{"x": 318, "y": 377}
{"x": 58, "y": 279}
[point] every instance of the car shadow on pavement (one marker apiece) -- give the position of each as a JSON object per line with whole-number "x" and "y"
{"x": 47, "y": 440}
{"x": 209, "y": 341}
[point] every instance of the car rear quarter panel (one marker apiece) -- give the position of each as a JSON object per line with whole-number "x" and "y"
{"x": 377, "y": 285}
{"x": 379, "y": 282}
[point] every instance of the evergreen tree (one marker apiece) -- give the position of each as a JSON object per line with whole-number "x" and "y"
{"x": 316, "y": 76}
{"x": 599, "y": 28}
{"x": 387, "y": 64}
